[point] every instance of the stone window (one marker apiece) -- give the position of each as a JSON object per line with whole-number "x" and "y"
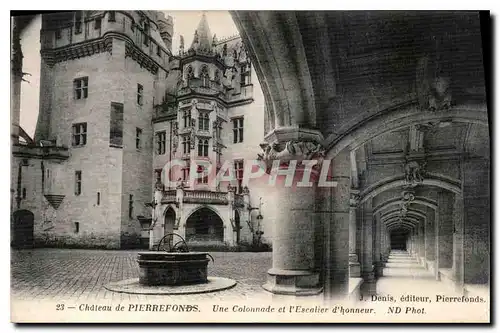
{"x": 237, "y": 130}
{"x": 203, "y": 147}
{"x": 78, "y": 182}
{"x": 238, "y": 169}
{"x": 140, "y": 90}
{"x": 185, "y": 174}
{"x": 77, "y": 227}
{"x": 97, "y": 23}
{"x": 79, "y": 134}
{"x": 186, "y": 144}
{"x": 189, "y": 74}
{"x": 205, "y": 79}
{"x": 98, "y": 198}
{"x": 187, "y": 118}
{"x": 81, "y": 87}
{"x": 112, "y": 16}
{"x": 204, "y": 175}
{"x": 161, "y": 142}
{"x": 131, "y": 206}
{"x": 245, "y": 74}
{"x": 116, "y": 125}
{"x": 203, "y": 121}
{"x": 78, "y": 22}
{"x": 138, "y": 137}
{"x": 158, "y": 50}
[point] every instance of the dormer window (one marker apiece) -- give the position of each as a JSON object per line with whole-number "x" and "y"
{"x": 189, "y": 73}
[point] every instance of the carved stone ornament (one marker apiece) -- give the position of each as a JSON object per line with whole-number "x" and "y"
{"x": 354, "y": 199}
{"x": 433, "y": 87}
{"x": 292, "y": 150}
{"x": 414, "y": 173}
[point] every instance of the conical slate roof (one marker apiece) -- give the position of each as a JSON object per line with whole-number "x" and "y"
{"x": 202, "y": 39}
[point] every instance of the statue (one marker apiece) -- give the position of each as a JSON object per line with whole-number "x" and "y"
{"x": 432, "y": 86}
{"x": 440, "y": 94}
{"x": 413, "y": 173}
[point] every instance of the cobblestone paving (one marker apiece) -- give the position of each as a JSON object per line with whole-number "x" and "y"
{"x": 70, "y": 274}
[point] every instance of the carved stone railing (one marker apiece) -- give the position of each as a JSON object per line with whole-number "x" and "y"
{"x": 169, "y": 196}
{"x": 205, "y": 197}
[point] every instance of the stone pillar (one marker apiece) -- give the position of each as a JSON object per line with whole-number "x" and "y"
{"x": 354, "y": 267}
{"x": 458, "y": 242}
{"x": 476, "y": 216}
{"x": 377, "y": 246}
{"x": 421, "y": 248}
{"x": 293, "y": 271}
{"x": 336, "y": 260}
{"x": 445, "y": 232}
{"x": 430, "y": 249}
{"x": 367, "y": 269}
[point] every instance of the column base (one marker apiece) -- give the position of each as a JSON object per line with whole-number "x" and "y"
{"x": 354, "y": 269}
{"x": 292, "y": 282}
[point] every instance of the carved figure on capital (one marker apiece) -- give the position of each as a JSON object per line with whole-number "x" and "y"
{"x": 293, "y": 150}
{"x": 354, "y": 198}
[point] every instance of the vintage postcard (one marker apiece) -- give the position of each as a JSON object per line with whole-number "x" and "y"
{"x": 250, "y": 166}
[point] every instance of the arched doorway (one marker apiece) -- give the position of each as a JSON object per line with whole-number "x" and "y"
{"x": 237, "y": 225}
{"x": 23, "y": 229}
{"x": 204, "y": 225}
{"x": 398, "y": 239}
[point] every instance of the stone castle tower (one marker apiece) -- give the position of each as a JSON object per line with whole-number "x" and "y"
{"x": 115, "y": 106}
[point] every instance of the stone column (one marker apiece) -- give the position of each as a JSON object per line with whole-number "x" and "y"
{"x": 421, "y": 248}
{"x": 377, "y": 246}
{"x": 458, "y": 242}
{"x": 476, "y": 216}
{"x": 367, "y": 269}
{"x": 336, "y": 231}
{"x": 445, "y": 235}
{"x": 354, "y": 267}
{"x": 430, "y": 253}
{"x": 293, "y": 271}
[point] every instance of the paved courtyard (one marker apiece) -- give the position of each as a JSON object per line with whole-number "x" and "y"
{"x": 74, "y": 274}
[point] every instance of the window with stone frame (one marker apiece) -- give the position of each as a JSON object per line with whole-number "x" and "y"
{"x": 116, "y": 125}
{"x": 238, "y": 170}
{"x": 161, "y": 138}
{"x": 79, "y": 137}
{"x": 186, "y": 144}
{"x": 78, "y": 22}
{"x": 237, "y": 130}
{"x": 76, "y": 227}
{"x": 203, "y": 147}
{"x": 97, "y": 23}
{"x": 185, "y": 174}
{"x": 203, "y": 121}
{"x": 112, "y": 16}
{"x": 203, "y": 175}
{"x": 81, "y": 87}
{"x": 189, "y": 73}
{"x": 217, "y": 76}
{"x": 140, "y": 91}
{"x": 187, "y": 118}
{"x": 138, "y": 138}
{"x": 78, "y": 182}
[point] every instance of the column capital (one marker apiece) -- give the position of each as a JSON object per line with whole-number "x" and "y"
{"x": 354, "y": 198}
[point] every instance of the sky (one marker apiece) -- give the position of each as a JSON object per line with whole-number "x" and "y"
{"x": 185, "y": 23}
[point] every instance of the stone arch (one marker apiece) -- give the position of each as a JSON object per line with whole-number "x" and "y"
{"x": 397, "y": 201}
{"x": 395, "y": 212}
{"x": 23, "y": 229}
{"x": 204, "y": 224}
{"x": 396, "y": 119}
{"x": 399, "y": 181}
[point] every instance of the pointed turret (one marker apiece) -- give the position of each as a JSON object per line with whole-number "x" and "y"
{"x": 202, "y": 39}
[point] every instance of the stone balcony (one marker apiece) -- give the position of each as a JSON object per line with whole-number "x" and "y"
{"x": 201, "y": 197}
{"x": 41, "y": 152}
